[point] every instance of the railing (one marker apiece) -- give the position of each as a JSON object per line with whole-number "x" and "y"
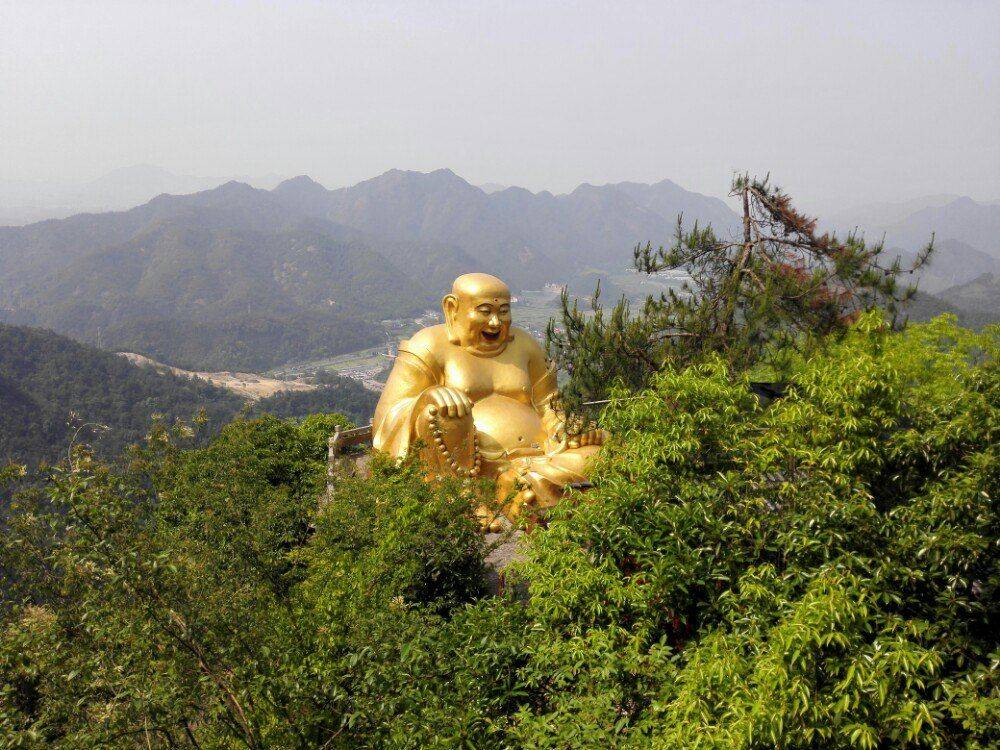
{"x": 346, "y": 438}
{"x": 338, "y": 464}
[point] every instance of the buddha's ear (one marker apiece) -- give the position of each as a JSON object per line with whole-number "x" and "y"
{"x": 449, "y": 306}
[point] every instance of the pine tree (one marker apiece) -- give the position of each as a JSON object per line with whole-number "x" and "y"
{"x": 779, "y": 288}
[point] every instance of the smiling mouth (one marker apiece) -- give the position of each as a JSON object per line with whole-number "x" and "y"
{"x": 491, "y": 336}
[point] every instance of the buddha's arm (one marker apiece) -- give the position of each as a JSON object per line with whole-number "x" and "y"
{"x": 394, "y": 416}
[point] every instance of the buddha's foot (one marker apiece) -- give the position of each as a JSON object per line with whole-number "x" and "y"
{"x": 491, "y": 521}
{"x": 519, "y": 506}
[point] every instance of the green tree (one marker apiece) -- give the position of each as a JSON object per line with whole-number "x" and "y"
{"x": 144, "y": 601}
{"x": 820, "y": 573}
{"x": 198, "y": 597}
{"x": 752, "y": 300}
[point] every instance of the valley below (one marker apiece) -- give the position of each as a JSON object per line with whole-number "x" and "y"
{"x": 245, "y": 384}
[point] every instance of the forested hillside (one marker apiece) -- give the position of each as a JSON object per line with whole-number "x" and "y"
{"x": 923, "y": 307}
{"x": 54, "y": 392}
{"x": 210, "y": 299}
{"x": 981, "y": 294}
{"x": 336, "y": 395}
{"x": 258, "y": 283}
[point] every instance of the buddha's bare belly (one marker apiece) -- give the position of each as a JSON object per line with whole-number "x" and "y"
{"x": 505, "y": 424}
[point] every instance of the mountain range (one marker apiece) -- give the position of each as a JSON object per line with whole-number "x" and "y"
{"x": 884, "y": 213}
{"x": 963, "y": 219}
{"x": 242, "y": 278}
{"x": 238, "y": 277}
{"x": 215, "y": 280}
{"x": 953, "y": 263}
{"x": 966, "y": 233}
{"x": 528, "y": 237}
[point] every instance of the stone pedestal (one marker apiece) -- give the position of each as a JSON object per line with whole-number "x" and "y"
{"x": 503, "y": 550}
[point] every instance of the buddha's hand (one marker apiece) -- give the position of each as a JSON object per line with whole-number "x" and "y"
{"x": 448, "y": 402}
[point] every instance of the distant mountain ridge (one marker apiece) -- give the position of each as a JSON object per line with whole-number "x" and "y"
{"x": 884, "y": 213}
{"x": 976, "y": 224}
{"x": 966, "y": 239}
{"x": 911, "y": 223}
{"x": 953, "y": 262}
{"x": 239, "y": 278}
{"x": 526, "y": 236}
{"x": 242, "y": 278}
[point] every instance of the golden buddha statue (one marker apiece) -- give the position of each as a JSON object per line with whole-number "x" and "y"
{"x": 477, "y": 394}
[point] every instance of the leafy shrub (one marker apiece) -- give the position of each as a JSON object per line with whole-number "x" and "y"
{"x": 819, "y": 573}
{"x": 198, "y": 593}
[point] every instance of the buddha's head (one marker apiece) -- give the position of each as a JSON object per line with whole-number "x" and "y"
{"x": 477, "y": 314}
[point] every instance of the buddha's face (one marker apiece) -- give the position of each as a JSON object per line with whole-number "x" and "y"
{"x": 478, "y": 314}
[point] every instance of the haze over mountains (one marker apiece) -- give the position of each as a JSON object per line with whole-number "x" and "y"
{"x": 26, "y": 201}
{"x": 237, "y": 277}
{"x": 965, "y": 268}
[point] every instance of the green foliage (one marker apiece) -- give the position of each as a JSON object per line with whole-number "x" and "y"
{"x": 752, "y": 301}
{"x": 197, "y": 597}
{"x": 148, "y": 600}
{"x": 342, "y": 395}
{"x": 393, "y": 558}
{"x": 53, "y": 389}
{"x": 820, "y": 573}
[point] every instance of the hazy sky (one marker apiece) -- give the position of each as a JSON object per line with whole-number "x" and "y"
{"x": 842, "y": 102}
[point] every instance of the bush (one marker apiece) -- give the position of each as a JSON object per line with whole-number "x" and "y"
{"x": 819, "y": 573}
{"x": 199, "y": 596}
